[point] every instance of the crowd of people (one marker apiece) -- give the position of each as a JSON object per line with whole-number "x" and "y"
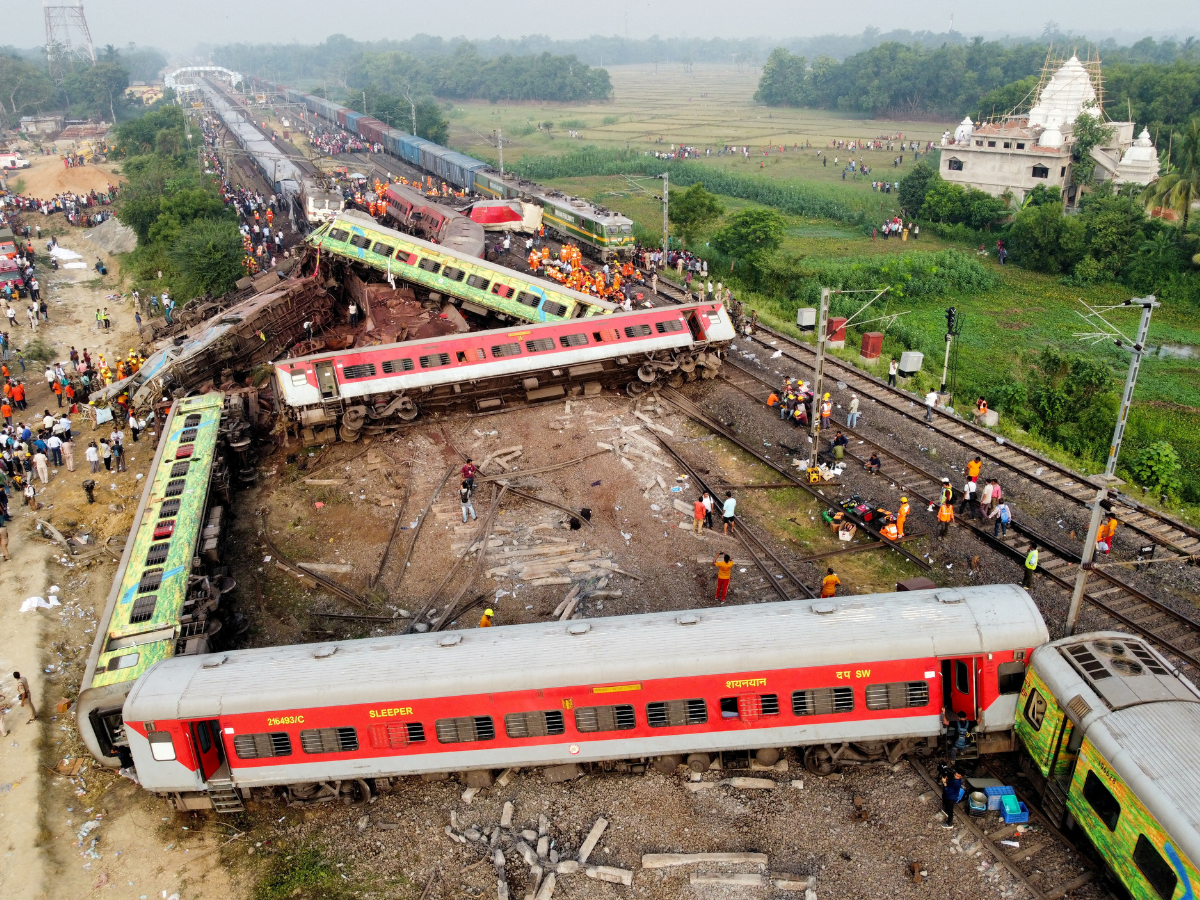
{"x": 83, "y": 210}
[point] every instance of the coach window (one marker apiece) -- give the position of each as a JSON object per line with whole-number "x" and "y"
{"x": 668, "y": 326}
{"x": 329, "y": 740}
{"x": 750, "y": 706}
{"x": 262, "y": 746}
{"x": 392, "y": 366}
{"x": 573, "y": 340}
{"x": 897, "y": 695}
{"x": 502, "y": 350}
{"x": 1035, "y": 709}
{"x": 161, "y": 747}
{"x": 143, "y": 609}
{"x": 534, "y": 724}
{"x": 396, "y": 737}
{"x": 634, "y": 331}
{"x": 1010, "y": 676}
{"x": 676, "y": 713}
{"x": 430, "y": 265}
{"x": 478, "y": 283}
{"x": 465, "y": 729}
{"x": 823, "y": 701}
{"x": 1101, "y": 800}
{"x": 527, "y": 299}
{"x": 1157, "y": 871}
{"x": 299, "y": 379}
{"x": 434, "y": 360}
{"x": 474, "y": 355}
{"x": 605, "y": 718}
{"x": 383, "y": 249}
{"x": 539, "y": 345}
{"x": 362, "y": 370}
{"x": 608, "y": 334}
{"x": 551, "y": 308}
{"x": 453, "y": 274}
{"x": 502, "y": 290}
{"x": 360, "y": 240}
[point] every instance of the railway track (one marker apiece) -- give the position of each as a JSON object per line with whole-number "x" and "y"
{"x": 1038, "y": 470}
{"x": 1175, "y": 633}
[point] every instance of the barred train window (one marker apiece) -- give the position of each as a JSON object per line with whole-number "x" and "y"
{"x": 540, "y": 344}
{"x": 605, "y": 718}
{"x": 675, "y": 713}
{"x": 534, "y": 724}
{"x": 392, "y": 366}
{"x": 180, "y": 469}
{"x": 573, "y": 340}
{"x": 668, "y": 326}
{"x": 633, "y": 331}
{"x": 897, "y": 695}
{"x": 261, "y": 746}
{"x": 465, "y": 729}
{"x": 527, "y": 299}
{"x": 823, "y": 701}
{"x": 143, "y": 609}
{"x": 362, "y": 370}
{"x": 329, "y": 740}
{"x": 551, "y": 308}
{"x": 502, "y": 350}
{"x": 299, "y": 379}
{"x": 749, "y": 706}
{"x": 397, "y": 736}
{"x": 157, "y": 555}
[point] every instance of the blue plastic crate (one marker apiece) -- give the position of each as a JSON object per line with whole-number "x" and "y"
{"x": 1011, "y": 818}
{"x": 994, "y": 794}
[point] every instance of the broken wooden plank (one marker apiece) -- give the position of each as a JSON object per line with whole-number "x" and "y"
{"x": 593, "y": 838}
{"x": 743, "y": 879}
{"x": 611, "y": 874}
{"x": 666, "y": 860}
{"x": 331, "y": 568}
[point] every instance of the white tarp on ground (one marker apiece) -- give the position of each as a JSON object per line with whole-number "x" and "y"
{"x": 64, "y": 253}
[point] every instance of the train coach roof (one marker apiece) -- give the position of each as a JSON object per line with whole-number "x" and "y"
{"x": 752, "y": 638}
{"x": 1140, "y": 714}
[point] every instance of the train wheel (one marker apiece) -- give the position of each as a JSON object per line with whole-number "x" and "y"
{"x": 356, "y": 792}
{"x": 676, "y": 380}
{"x": 768, "y": 756}
{"x": 408, "y": 412}
{"x": 635, "y": 389}
{"x": 354, "y": 417}
{"x": 819, "y": 761}
{"x": 692, "y": 375}
{"x": 699, "y": 762}
{"x": 687, "y": 363}
{"x": 666, "y": 765}
{"x": 349, "y": 435}
{"x": 648, "y": 374}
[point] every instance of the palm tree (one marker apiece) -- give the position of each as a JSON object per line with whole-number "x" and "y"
{"x": 1180, "y": 187}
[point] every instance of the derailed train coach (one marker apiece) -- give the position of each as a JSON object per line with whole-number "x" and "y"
{"x": 385, "y": 385}
{"x": 845, "y": 681}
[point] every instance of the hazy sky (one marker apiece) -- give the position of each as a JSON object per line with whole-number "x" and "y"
{"x": 176, "y": 25}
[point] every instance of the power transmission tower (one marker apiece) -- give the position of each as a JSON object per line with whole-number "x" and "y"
{"x": 67, "y": 37}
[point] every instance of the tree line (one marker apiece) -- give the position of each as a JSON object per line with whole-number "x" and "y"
{"x": 980, "y": 78}
{"x": 84, "y": 91}
{"x": 342, "y": 65}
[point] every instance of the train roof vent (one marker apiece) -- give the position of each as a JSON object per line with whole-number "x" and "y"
{"x": 1124, "y": 671}
{"x": 1078, "y": 709}
{"x": 949, "y": 597}
{"x": 688, "y": 619}
{"x": 824, "y": 609}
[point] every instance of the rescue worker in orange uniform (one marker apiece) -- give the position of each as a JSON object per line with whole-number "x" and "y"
{"x": 890, "y": 531}
{"x": 901, "y": 515}
{"x": 829, "y": 584}
{"x": 945, "y": 518}
{"x": 486, "y": 620}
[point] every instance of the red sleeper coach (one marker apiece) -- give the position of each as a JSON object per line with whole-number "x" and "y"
{"x": 850, "y": 681}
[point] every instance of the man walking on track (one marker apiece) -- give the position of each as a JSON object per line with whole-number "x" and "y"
{"x": 945, "y": 518}
{"x": 728, "y": 512}
{"x": 1031, "y": 561}
{"x": 724, "y": 570}
{"x": 698, "y": 515}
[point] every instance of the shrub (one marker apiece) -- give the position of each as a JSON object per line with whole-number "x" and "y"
{"x": 1156, "y": 468}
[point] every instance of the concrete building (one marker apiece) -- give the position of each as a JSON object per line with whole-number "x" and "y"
{"x": 1020, "y": 151}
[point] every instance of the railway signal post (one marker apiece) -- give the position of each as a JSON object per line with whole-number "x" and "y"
{"x": 666, "y": 233}
{"x": 1136, "y": 349}
{"x": 814, "y": 423}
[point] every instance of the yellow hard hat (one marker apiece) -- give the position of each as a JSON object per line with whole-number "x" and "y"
{"x": 488, "y": 612}
{"x": 903, "y": 499}
{"x": 826, "y": 396}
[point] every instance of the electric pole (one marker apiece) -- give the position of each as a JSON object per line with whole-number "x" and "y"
{"x": 500, "y": 147}
{"x": 951, "y": 331}
{"x": 814, "y": 423}
{"x": 1138, "y": 348}
{"x": 666, "y": 233}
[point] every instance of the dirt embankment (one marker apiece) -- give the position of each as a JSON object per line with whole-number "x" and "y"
{"x": 48, "y": 177}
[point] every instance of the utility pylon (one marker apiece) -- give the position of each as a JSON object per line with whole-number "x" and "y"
{"x": 67, "y": 36}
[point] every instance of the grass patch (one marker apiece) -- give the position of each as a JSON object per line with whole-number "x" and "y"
{"x": 304, "y": 874}
{"x": 38, "y": 350}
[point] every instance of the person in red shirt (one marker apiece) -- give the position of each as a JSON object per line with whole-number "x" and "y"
{"x": 698, "y": 512}
{"x": 469, "y": 471}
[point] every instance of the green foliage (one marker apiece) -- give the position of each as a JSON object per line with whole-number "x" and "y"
{"x": 143, "y": 135}
{"x": 1041, "y": 195}
{"x": 37, "y": 350}
{"x": 97, "y": 90}
{"x": 24, "y": 86}
{"x": 431, "y": 124}
{"x": 1071, "y": 401}
{"x": 1156, "y": 469}
{"x": 751, "y": 235}
{"x": 1180, "y": 187}
{"x": 1016, "y": 96}
{"x": 954, "y": 204}
{"x": 610, "y": 120}
{"x": 784, "y": 80}
{"x": 1043, "y": 239}
{"x": 1088, "y": 132}
{"x": 915, "y": 185}
{"x": 208, "y": 255}
{"x": 304, "y": 874}
{"x": 694, "y": 210}
{"x": 842, "y": 204}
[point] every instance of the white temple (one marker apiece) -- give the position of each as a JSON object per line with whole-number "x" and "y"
{"x": 1019, "y": 152}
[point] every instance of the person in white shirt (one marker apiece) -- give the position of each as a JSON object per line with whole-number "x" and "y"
{"x": 92, "y": 454}
{"x": 55, "y": 445}
{"x": 930, "y": 402}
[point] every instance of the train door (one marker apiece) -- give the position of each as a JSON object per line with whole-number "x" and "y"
{"x": 958, "y": 687}
{"x": 326, "y": 380}
{"x": 206, "y": 743}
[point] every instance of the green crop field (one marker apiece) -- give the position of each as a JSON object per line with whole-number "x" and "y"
{"x": 713, "y": 106}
